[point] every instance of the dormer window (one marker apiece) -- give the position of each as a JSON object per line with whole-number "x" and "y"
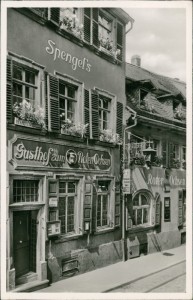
{"x": 142, "y": 95}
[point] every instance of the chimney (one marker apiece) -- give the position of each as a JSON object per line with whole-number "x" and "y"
{"x": 136, "y": 60}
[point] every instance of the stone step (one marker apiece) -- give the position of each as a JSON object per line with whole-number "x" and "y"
{"x": 31, "y": 286}
{"x": 31, "y": 276}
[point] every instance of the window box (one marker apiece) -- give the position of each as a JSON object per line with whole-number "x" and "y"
{"x": 110, "y": 137}
{"x": 25, "y": 123}
{"x": 78, "y": 130}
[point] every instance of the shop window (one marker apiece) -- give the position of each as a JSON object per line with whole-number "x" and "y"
{"x": 104, "y": 112}
{"x": 167, "y": 209}
{"x": 67, "y": 199}
{"x": 141, "y": 210}
{"x": 67, "y": 99}
{"x": 25, "y": 191}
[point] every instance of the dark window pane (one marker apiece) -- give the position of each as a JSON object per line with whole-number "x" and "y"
{"x": 17, "y": 89}
{"x": 144, "y": 200}
{"x": 71, "y": 92}
{"x": 17, "y": 72}
{"x": 62, "y": 187}
{"x": 62, "y": 88}
{"x": 30, "y": 93}
{"x": 30, "y": 77}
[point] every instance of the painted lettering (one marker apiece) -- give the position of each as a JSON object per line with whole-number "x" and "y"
{"x": 50, "y": 42}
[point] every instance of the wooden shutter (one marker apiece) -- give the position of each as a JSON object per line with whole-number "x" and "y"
{"x": 120, "y": 40}
{"x": 46, "y": 97}
{"x": 9, "y": 91}
{"x": 52, "y": 193}
{"x": 88, "y": 205}
{"x": 119, "y": 124}
{"x": 95, "y": 114}
{"x": 157, "y": 210}
{"x": 87, "y": 25}
{"x": 170, "y": 155}
{"x": 95, "y": 27}
{"x": 164, "y": 154}
{"x": 117, "y": 221}
{"x": 180, "y": 208}
{"x": 54, "y": 15}
{"x": 53, "y": 104}
{"x": 94, "y": 206}
{"x": 87, "y": 111}
{"x": 129, "y": 205}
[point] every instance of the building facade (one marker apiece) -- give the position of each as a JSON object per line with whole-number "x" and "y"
{"x": 65, "y": 100}
{"x": 156, "y": 160}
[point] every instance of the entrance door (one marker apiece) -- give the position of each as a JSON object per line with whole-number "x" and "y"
{"x": 24, "y": 242}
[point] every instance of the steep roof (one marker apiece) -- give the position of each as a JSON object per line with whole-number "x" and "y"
{"x": 160, "y": 82}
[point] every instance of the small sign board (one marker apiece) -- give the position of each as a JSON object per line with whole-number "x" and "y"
{"x": 53, "y": 228}
{"x": 126, "y": 173}
{"x": 53, "y": 202}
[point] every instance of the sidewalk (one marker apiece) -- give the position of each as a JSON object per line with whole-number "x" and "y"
{"x": 107, "y": 278}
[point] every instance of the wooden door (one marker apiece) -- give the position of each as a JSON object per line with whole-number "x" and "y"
{"x": 21, "y": 242}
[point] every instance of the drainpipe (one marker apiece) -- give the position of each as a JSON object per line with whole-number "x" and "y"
{"x": 123, "y": 195}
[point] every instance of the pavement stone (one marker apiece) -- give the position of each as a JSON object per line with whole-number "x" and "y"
{"x": 107, "y": 278}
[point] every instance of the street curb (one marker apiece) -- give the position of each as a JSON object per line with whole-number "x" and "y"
{"x": 142, "y": 277}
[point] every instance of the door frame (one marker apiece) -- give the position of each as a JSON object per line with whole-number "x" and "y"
{"x": 40, "y": 207}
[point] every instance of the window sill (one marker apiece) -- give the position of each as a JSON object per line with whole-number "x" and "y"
{"x": 67, "y": 238}
{"x": 26, "y": 205}
{"x": 104, "y": 230}
{"x": 26, "y": 129}
{"x": 140, "y": 228}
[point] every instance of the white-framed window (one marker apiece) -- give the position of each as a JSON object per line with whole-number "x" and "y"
{"x": 67, "y": 205}
{"x": 67, "y": 100}
{"x": 104, "y": 112}
{"x": 141, "y": 209}
{"x": 26, "y": 84}
{"x": 105, "y": 26}
{"x": 105, "y": 205}
{"x": 175, "y": 151}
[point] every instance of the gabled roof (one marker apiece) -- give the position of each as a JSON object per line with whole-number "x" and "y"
{"x": 161, "y": 83}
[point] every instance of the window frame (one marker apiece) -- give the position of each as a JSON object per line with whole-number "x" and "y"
{"x": 79, "y": 103}
{"x": 107, "y": 16}
{"x": 167, "y": 219}
{"x": 141, "y": 207}
{"x": 110, "y": 205}
{"x": 112, "y": 108}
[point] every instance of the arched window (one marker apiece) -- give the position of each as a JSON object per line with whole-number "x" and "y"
{"x": 141, "y": 209}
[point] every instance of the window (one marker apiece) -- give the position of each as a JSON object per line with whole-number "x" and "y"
{"x": 25, "y": 191}
{"x": 175, "y": 151}
{"x": 141, "y": 208}
{"x": 166, "y": 209}
{"x": 183, "y": 157}
{"x": 67, "y": 100}
{"x": 105, "y": 27}
{"x": 143, "y": 94}
{"x": 67, "y": 198}
{"x": 104, "y": 112}
{"x": 24, "y": 85}
{"x": 103, "y": 204}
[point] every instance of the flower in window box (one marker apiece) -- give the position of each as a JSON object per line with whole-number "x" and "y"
{"x": 30, "y": 116}
{"x": 106, "y": 135}
{"x": 157, "y": 161}
{"x": 68, "y": 127}
{"x": 176, "y": 163}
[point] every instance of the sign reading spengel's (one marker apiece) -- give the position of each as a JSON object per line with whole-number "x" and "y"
{"x": 66, "y": 57}
{"x": 42, "y": 154}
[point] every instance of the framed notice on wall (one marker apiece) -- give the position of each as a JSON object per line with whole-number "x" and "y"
{"x": 53, "y": 228}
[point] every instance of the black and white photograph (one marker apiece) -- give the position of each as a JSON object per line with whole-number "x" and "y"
{"x": 96, "y": 174}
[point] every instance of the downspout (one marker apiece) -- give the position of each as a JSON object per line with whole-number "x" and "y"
{"x": 123, "y": 195}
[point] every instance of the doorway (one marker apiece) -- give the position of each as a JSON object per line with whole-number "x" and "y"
{"x": 24, "y": 241}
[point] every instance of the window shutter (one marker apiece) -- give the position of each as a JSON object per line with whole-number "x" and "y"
{"x": 9, "y": 91}
{"x": 53, "y": 104}
{"x": 87, "y": 111}
{"x": 88, "y": 206}
{"x": 54, "y": 15}
{"x": 95, "y": 114}
{"x": 87, "y": 25}
{"x": 164, "y": 154}
{"x": 94, "y": 206}
{"x": 180, "y": 208}
{"x": 46, "y": 97}
{"x": 119, "y": 118}
{"x": 120, "y": 40}
{"x": 95, "y": 27}
{"x": 170, "y": 155}
{"x": 129, "y": 222}
{"x": 117, "y": 221}
{"x": 157, "y": 210}
{"x": 53, "y": 193}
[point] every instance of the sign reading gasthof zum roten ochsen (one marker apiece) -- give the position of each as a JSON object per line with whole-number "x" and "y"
{"x": 48, "y": 155}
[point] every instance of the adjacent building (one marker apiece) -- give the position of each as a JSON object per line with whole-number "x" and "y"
{"x": 65, "y": 103}
{"x": 156, "y": 159}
